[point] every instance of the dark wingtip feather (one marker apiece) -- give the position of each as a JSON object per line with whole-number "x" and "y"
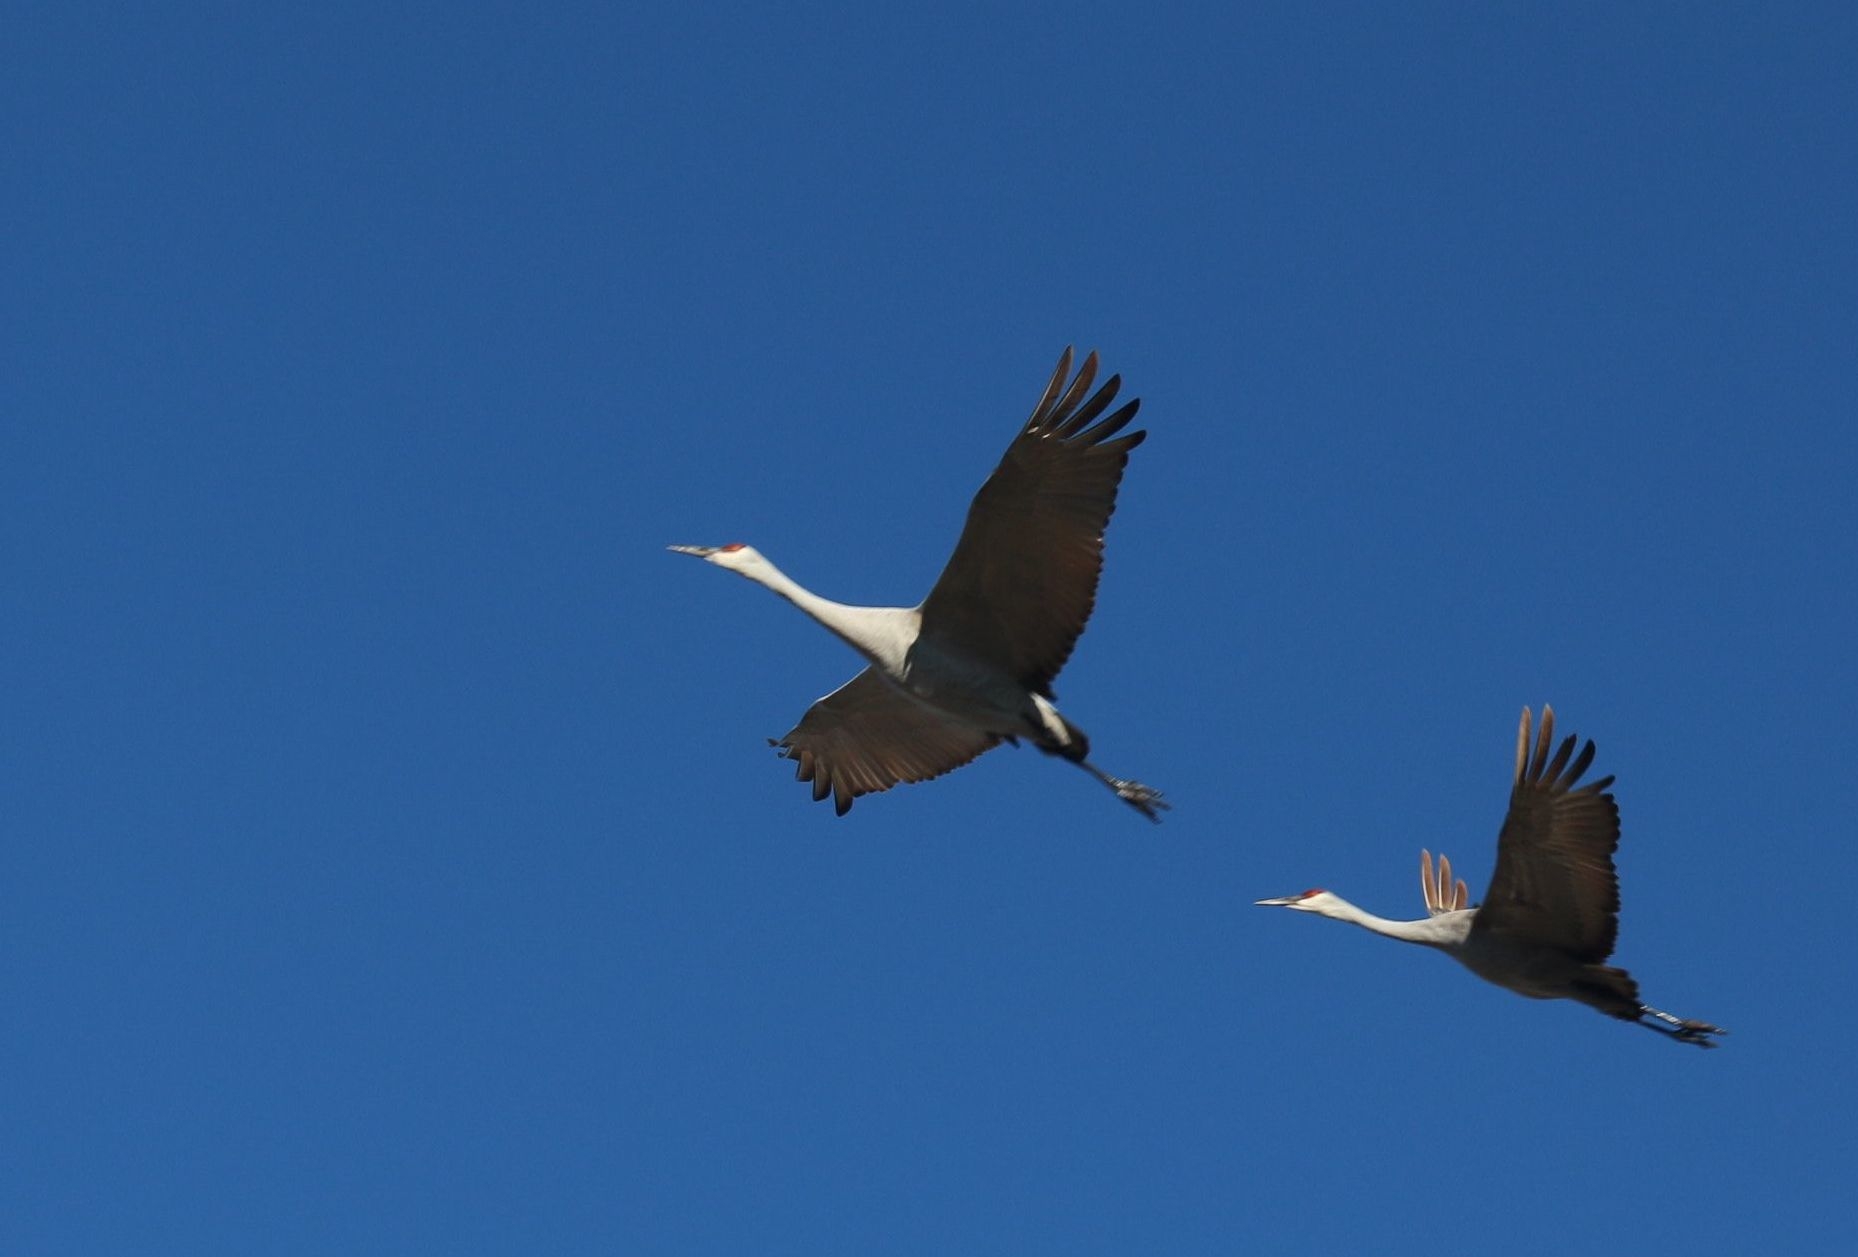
{"x": 1580, "y": 765}
{"x": 1052, "y": 389}
{"x": 1079, "y": 386}
{"x": 1113, "y": 424}
{"x": 1552, "y": 774}
{"x": 1544, "y": 739}
{"x": 1086, "y": 413}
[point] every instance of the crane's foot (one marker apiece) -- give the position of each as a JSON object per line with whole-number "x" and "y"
{"x": 1698, "y": 1032}
{"x": 1683, "y": 1029}
{"x": 1145, "y": 799}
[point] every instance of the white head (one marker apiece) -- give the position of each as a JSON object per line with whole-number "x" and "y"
{"x": 1318, "y": 901}
{"x": 735, "y": 556}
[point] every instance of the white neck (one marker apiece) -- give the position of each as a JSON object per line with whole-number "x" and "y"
{"x": 881, "y": 634}
{"x": 1446, "y": 931}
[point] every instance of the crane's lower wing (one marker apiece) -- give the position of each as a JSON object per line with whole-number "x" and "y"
{"x": 868, "y": 735}
{"x": 1554, "y": 884}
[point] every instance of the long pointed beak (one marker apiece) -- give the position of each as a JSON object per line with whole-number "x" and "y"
{"x": 1285, "y": 902}
{"x": 702, "y": 552}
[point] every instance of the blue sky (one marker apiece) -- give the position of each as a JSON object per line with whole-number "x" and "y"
{"x": 393, "y": 858}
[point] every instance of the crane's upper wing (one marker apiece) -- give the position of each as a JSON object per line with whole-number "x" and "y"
{"x": 1023, "y": 578}
{"x": 1555, "y": 883}
{"x": 867, "y": 735}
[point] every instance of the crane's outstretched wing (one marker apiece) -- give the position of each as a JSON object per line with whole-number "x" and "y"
{"x": 1555, "y": 884}
{"x": 867, "y": 735}
{"x": 1023, "y": 579}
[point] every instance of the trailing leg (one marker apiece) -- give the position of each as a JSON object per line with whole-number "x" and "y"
{"x": 1058, "y": 736}
{"x": 1682, "y": 1029}
{"x": 1145, "y": 799}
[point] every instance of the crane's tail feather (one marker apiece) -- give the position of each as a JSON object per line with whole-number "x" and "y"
{"x": 1059, "y": 736}
{"x": 1611, "y": 991}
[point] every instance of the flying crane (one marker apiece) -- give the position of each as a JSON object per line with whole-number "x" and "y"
{"x": 1551, "y": 916}
{"x": 972, "y": 665}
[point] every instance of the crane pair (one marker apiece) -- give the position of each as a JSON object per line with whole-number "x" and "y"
{"x": 972, "y": 666}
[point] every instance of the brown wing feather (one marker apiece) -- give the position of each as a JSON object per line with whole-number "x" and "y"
{"x": 1555, "y": 883}
{"x": 1023, "y": 579}
{"x": 866, "y": 736}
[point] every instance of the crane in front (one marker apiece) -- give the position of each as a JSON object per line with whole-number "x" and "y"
{"x": 972, "y": 665}
{"x": 1551, "y": 916}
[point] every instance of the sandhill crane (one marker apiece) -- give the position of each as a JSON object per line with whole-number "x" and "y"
{"x": 1551, "y": 916}
{"x": 972, "y": 665}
